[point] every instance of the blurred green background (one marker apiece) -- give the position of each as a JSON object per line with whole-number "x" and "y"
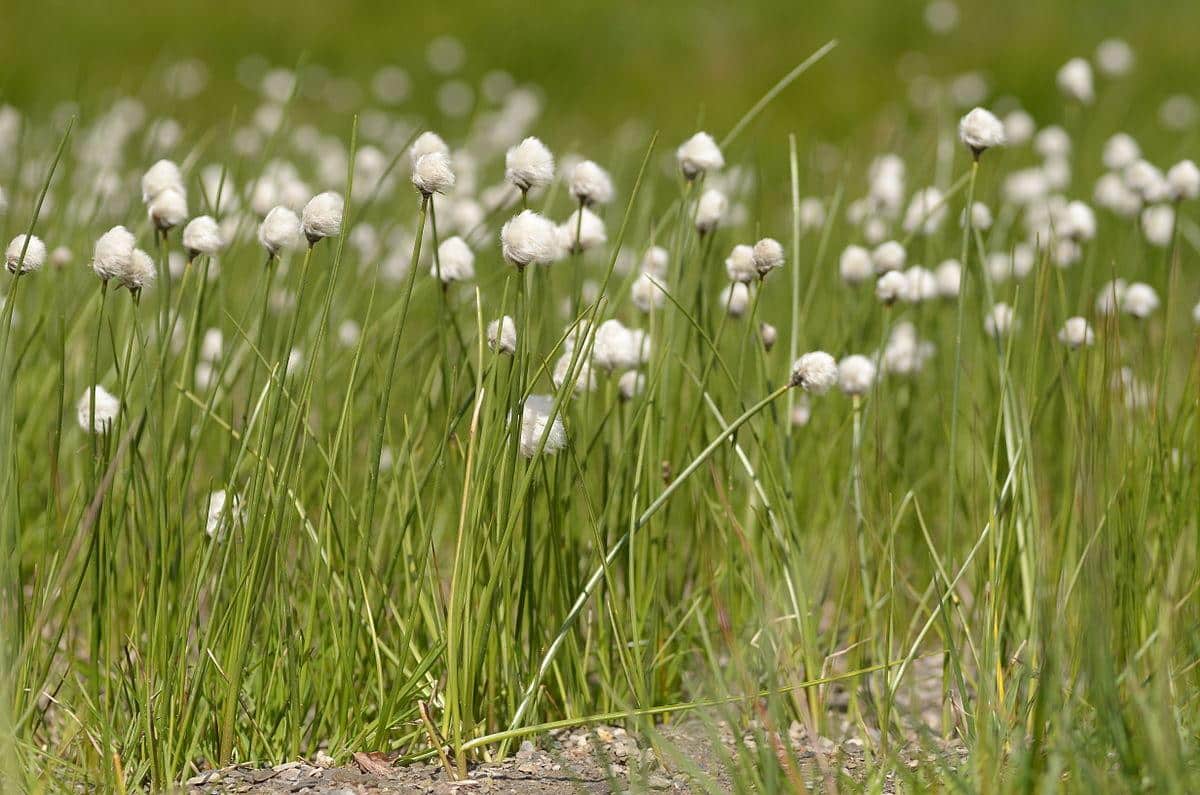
{"x": 667, "y": 62}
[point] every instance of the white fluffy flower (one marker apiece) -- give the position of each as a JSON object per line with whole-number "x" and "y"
{"x": 167, "y": 209}
{"x": 1052, "y": 141}
{"x": 710, "y": 210}
{"x": 655, "y": 261}
{"x": 432, "y": 173}
{"x": 455, "y": 261}
{"x": 905, "y": 353}
{"x": 590, "y": 184}
{"x": 812, "y": 213}
{"x": 100, "y": 418}
{"x": 1114, "y": 57}
{"x": 815, "y": 372}
{"x": 139, "y": 272}
{"x": 581, "y": 231}
{"x": 1019, "y": 127}
{"x": 279, "y": 230}
{"x": 528, "y": 238}
{"x": 735, "y": 298}
{"x": 1108, "y": 300}
{"x": 925, "y": 212}
{"x": 529, "y": 164}
{"x": 619, "y": 348}
{"x": 223, "y": 514}
{"x": 585, "y": 377}
{"x": 920, "y": 285}
{"x": 1075, "y": 81}
{"x": 647, "y": 292}
{"x": 739, "y": 265}
{"x": 631, "y": 384}
{"x": 162, "y": 176}
{"x": 855, "y": 265}
{"x": 699, "y": 154}
{"x": 981, "y": 217}
{"x": 948, "y": 276}
{"x": 1147, "y": 181}
{"x": 1139, "y": 300}
{"x": 1158, "y": 224}
{"x": 502, "y": 335}
{"x": 1120, "y": 151}
{"x": 999, "y": 320}
{"x": 1076, "y": 333}
{"x": 322, "y": 216}
{"x": 889, "y": 256}
{"x": 891, "y": 287}
{"x": 1114, "y": 195}
{"x": 980, "y": 130}
{"x": 202, "y": 235}
{"x": 427, "y": 142}
{"x": 768, "y": 255}
{"x": 113, "y": 251}
{"x": 22, "y": 257}
{"x": 856, "y": 373}
{"x": 801, "y": 412}
{"x": 1183, "y": 180}
{"x": 536, "y": 423}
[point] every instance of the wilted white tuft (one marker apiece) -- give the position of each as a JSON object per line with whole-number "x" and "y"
{"x": 999, "y": 320}
{"x": 432, "y": 173}
{"x": 698, "y": 155}
{"x": 279, "y": 230}
{"x": 25, "y": 257}
{"x": 224, "y": 513}
{"x": 529, "y": 164}
{"x": 815, "y": 372}
{"x": 455, "y": 261}
{"x": 590, "y": 184}
{"x": 855, "y": 265}
{"x": 735, "y": 298}
{"x": 1075, "y": 81}
{"x": 1139, "y": 300}
{"x": 856, "y": 373}
{"x": 583, "y": 230}
{"x": 768, "y": 255}
{"x": 889, "y": 256}
{"x": 202, "y": 235}
{"x": 891, "y": 287}
{"x": 1158, "y": 224}
{"x": 502, "y": 335}
{"x": 322, "y": 216}
{"x": 100, "y": 418}
{"x": 739, "y": 265}
{"x": 536, "y": 423}
{"x": 1076, "y": 333}
{"x": 710, "y": 210}
{"x": 980, "y": 130}
{"x": 1183, "y": 180}
{"x": 113, "y": 252}
{"x": 528, "y": 238}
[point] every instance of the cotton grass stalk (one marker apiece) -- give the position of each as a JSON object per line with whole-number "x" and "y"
{"x": 529, "y": 165}
{"x": 590, "y": 184}
{"x": 25, "y": 254}
{"x": 432, "y": 173}
{"x": 815, "y": 372}
{"x": 322, "y": 217}
{"x": 455, "y": 261}
{"x": 202, "y": 235}
{"x": 699, "y": 155}
{"x": 529, "y": 239}
{"x": 279, "y": 230}
{"x": 980, "y": 130}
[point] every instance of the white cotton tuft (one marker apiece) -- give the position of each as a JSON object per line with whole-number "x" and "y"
{"x": 502, "y": 335}
{"x": 710, "y": 210}
{"x": 25, "y": 257}
{"x": 322, "y": 216}
{"x": 655, "y": 261}
{"x": 590, "y": 184}
{"x": 581, "y": 231}
{"x": 999, "y": 320}
{"x": 815, "y": 372}
{"x": 920, "y": 285}
{"x": 1139, "y": 300}
{"x": 768, "y": 255}
{"x": 801, "y": 412}
{"x": 1120, "y": 152}
{"x": 536, "y": 424}
{"x": 1075, "y": 81}
{"x": 768, "y": 334}
{"x": 1158, "y": 224}
{"x": 1019, "y": 127}
{"x": 889, "y": 256}
{"x": 698, "y": 155}
{"x": 113, "y": 251}
{"x": 619, "y": 348}
{"x": 855, "y": 265}
{"x": 432, "y": 173}
{"x": 529, "y": 164}
{"x": 427, "y": 143}
{"x": 1183, "y": 181}
{"x": 349, "y": 333}
{"x": 279, "y": 230}
{"x": 1108, "y": 300}
{"x": 1114, "y": 57}
{"x": 812, "y": 213}
{"x": 739, "y": 265}
{"x": 223, "y": 514}
{"x": 162, "y": 176}
{"x": 168, "y": 209}
{"x": 925, "y": 212}
{"x": 1076, "y": 333}
{"x": 1196, "y": 314}
{"x": 1147, "y": 181}
{"x": 1052, "y": 141}
{"x": 891, "y": 287}
{"x": 455, "y": 260}
{"x": 96, "y": 410}
{"x": 585, "y": 377}
{"x": 735, "y": 298}
{"x": 948, "y": 276}
{"x": 856, "y": 374}
{"x": 528, "y": 238}
{"x": 631, "y": 384}
{"x": 647, "y": 292}
{"x": 981, "y": 217}
{"x": 980, "y": 130}
{"x": 202, "y": 235}
{"x": 139, "y": 272}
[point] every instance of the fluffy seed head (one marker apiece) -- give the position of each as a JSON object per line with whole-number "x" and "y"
{"x": 223, "y": 514}
{"x": 980, "y": 130}
{"x": 1076, "y": 333}
{"x": 855, "y": 265}
{"x": 768, "y": 255}
{"x": 891, "y": 287}
{"x": 699, "y": 154}
{"x": 631, "y": 384}
{"x": 100, "y": 418}
{"x": 1120, "y": 152}
{"x": 202, "y": 235}
{"x": 585, "y": 376}
{"x": 1108, "y": 300}
{"x": 167, "y": 209}
{"x": 856, "y": 373}
{"x": 162, "y": 176}
{"x": 455, "y": 260}
{"x": 279, "y": 230}
{"x": 581, "y": 231}
{"x": 113, "y": 252}
{"x": 1139, "y": 300}
{"x": 815, "y": 372}
{"x": 948, "y": 276}
{"x": 432, "y": 173}
{"x": 710, "y": 210}
{"x": 536, "y": 423}
{"x": 590, "y": 184}
{"x": 139, "y": 272}
{"x": 528, "y": 238}
{"x": 647, "y": 292}
{"x": 999, "y": 320}
{"x": 655, "y": 261}
{"x": 502, "y": 335}
{"x": 889, "y": 256}
{"x": 427, "y": 142}
{"x": 768, "y": 334}
{"x": 735, "y": 298}
{"x": 529, "y": 164}
{"x": 740, "y": 264}
{"x": 1183, "y": 180}
{"x": 1158, "y": 224}
{"x": 322, "y": 216}
{"x": 25, "y": 257}
{"x": 619, "y": 348}
{"x": 1075, "y": 81}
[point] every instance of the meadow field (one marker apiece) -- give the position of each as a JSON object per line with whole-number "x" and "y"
{"x": 696, "y": 397}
